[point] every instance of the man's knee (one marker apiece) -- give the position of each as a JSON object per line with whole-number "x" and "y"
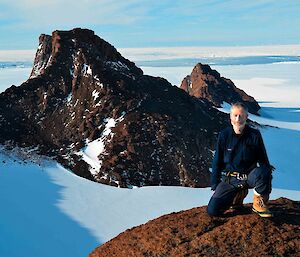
{"x": 265, "y": 173}
{"x": 213, "y": 208}
{"x": 263, "y": 181}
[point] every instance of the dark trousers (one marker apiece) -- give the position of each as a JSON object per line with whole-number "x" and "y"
{"x": 222, "y": 199}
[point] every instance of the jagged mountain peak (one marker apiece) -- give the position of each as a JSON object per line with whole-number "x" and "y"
{"x": 66, "y": 48}
{"x": 206, "y": 83}
{"x": 97, "y": 114}
{"x": 204, "y": 69}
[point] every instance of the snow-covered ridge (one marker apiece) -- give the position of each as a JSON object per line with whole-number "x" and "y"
{"x": 117, "y": 65}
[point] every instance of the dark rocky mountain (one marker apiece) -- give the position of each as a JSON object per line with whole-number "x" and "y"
{"x": 96, "y": 113}
{"x": 207, "y": 83}
{"x": 194, "y": 233}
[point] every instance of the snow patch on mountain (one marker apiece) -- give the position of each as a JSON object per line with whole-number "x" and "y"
{"x": 93, "y": 149}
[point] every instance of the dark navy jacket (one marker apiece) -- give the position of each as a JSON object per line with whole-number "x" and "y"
{"x": 239, "y": 153}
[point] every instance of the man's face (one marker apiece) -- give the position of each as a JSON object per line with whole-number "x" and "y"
{"x": 238, "y": 118}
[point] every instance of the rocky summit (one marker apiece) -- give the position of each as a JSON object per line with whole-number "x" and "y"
{"x": 95, "y": 112}
{"x": 194, "y": 233}
{"x": 207, "y": 83}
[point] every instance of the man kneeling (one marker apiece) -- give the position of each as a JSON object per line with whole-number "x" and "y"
{"x": 240, "y": 162}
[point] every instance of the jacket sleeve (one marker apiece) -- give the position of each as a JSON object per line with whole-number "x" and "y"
{"x": 262, "y": 153}
{"x": 218, "y": 163}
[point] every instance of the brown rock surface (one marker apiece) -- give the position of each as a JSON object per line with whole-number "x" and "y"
{"x": 207, "y": 83}
{"x": 194, "y": 233}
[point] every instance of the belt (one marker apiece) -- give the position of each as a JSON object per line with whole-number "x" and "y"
{"x": 236, "y": 174}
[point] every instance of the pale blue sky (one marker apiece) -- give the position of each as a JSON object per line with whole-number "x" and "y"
{"x": 138, "y": 23}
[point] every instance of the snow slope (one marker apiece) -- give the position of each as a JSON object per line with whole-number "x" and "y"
{"x": 48, "y": 211}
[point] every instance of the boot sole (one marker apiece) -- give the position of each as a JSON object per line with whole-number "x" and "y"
{"x": 263, "y": 214}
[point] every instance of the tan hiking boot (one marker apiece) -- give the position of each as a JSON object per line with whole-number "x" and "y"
{"x": 237, "y": 203}
{"x": 260, "y": 206}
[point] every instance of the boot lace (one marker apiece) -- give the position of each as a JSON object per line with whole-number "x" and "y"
{"x": 261, "y": 202}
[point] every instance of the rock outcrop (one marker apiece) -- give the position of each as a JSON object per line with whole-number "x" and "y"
{"x": 206, "y": 83}
{"x": 194, "y": 233}
{"x": 96, "y": 113}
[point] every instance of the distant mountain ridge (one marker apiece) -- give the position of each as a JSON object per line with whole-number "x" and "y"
{"x": 97, "y": 114}
{"x": 206, "y": 83}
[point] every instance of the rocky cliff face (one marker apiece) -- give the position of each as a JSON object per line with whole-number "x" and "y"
{"x": 207, "y": 83}
{"x": 194, "y": 233}
{"x": 96, "y": 113}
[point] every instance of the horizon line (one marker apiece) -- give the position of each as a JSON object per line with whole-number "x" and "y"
{"x": 167, "y": 52}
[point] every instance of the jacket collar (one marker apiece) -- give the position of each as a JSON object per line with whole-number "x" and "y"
{"x": 245, "y": 131}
